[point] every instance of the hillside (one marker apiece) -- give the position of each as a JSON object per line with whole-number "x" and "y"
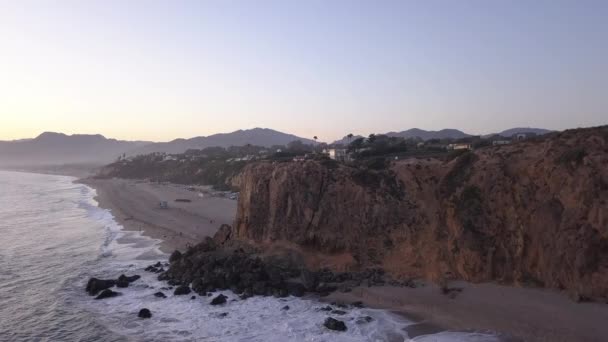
{"x": 257, "y": 136}
{"x": 57, "y": 148}
{"x": 531, "y": 213}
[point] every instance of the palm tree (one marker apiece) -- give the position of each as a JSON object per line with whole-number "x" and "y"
{"x": 349, "y": 136}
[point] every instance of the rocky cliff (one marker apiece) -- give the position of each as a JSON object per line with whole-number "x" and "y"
{"x": 533, "y": 213}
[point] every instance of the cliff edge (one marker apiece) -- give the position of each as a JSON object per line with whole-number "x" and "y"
{"x": 533, "y": 213}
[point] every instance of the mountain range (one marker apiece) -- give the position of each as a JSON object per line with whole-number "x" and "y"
{"x": 57, "y": 148}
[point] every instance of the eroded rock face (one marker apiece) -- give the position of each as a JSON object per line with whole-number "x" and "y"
{"x": 529, "y": 213}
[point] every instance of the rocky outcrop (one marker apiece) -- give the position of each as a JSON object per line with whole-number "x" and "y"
{"x": 530, "y": 213}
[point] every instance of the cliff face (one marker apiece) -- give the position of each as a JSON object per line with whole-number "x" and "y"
{"x": 530, "y": 213}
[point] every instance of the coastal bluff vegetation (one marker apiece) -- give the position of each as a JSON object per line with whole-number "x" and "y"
{"x": 531, "y": 213}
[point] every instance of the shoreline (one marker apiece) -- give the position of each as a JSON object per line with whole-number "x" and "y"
{"x": 134, "y": 205}
{"x": 516, "y": 314}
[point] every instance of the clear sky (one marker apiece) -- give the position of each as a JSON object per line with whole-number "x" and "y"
{"x": 159, "y": 70}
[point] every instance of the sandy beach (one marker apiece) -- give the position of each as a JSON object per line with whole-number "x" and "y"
{"x": 522, "y": 314}
{"x": 135, "y": 205}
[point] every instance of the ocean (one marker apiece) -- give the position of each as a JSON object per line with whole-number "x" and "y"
{"x": 54, "y": 237}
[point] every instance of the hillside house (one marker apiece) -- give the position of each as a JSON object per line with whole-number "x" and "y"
{"x": 459, "y": 146}
{"x": 338, "y": 154}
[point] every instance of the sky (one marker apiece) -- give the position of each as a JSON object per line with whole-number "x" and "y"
{"x": 160, "y": 70}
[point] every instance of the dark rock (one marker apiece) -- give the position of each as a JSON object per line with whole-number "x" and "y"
{"x": 222, "y": 315}
{"x": 364, "y": 319}
{"x": 338, "y": 312}
{"x": 358, "y": 304}
{"x": 107, "y": 294}
{"x": 193, "y": 297}
{"x": 182, "y": 290}
{"x": 128, "y": 279}
{"x": 285, "y": 308}
{"x": 334, "y": 324}
{"x": 223, "y": 234}
{"x": 247, "y": 293}
{"x": 122, "y": 283}
{"x": 220, "y": 299}
{"x": 259, "y": 288}
{"x": 175, "y": 256}
{"x": 174, "y": 282}
{"x": 160, "y": 295}
{"x": 326, "y": 308}
{"x": 95, "y": 285}
{"x": 144, "y": 313}
{"x": 296, "y": 289}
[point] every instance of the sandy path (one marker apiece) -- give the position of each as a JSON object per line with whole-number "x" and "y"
{"x": 135, "y": 205}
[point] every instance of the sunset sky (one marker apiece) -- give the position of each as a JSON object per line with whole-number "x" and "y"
{"x": 159, "y": 70}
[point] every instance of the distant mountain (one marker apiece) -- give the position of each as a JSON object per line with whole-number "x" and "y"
{"x": 517, "y": 130}
{"x": 256, "y": 136}
{"x": 447, "y": 133}
{"x": 56, "y": 148}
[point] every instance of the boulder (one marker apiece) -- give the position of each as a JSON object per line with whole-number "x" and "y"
{"x": 122, "y": 283}
{"x": 182, "y": 290}
{"x": 175, "y": 256}
{"x": 144, "y": 313}
{"x": 160, "y": 295}
{"x": 107, "y": 294}
{"x": 220, "y": 299}
{"x": 128, "y": 279}
{"x": 223, "y": 234}
{"x": 296, "y": 289}
{"x": 338, "y": 312}
{"x": 364, "y": 319}
{"x": 95, "y": 285}
{"x": 334, "y": 324}
{"x": 285, "y": 308}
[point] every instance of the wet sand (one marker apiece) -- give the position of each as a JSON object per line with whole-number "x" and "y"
{"x": 521, "y": 314}
{"x": 135, "y": 205}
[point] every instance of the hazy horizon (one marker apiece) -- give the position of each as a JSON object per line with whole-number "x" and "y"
{"x": 157, "y": 71}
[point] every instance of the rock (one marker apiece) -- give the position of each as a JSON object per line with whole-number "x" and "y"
{"x": 173, "y": 282}
{"x": 358, "y": 304}
{"x": 122, "y": 283}
{"x": 128, "y": 279}
{"x": 107, "y": 294}
{"x": 175, "y": 256}
{"x": 193, "y": 297}
{"x": 144, "y": 313}
{"x": 182, "y": 290}
{"x": 222, "y": 315}
{"x": 160, "y": 295}
{"x": 364, "y": 319}
{"x": 334, "y": 324}
{"x": 326, "y": 308}
{"x": 95, "y": 285}
{"x": 296, "y": 289}
{"x": 220, "y": 299}
{"x": 338, "y": 312}
{"x": 223, "y": 234}
{"x": 285, "y": 308}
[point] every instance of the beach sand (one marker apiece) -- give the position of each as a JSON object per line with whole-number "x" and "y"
{"x": 135, "y": 205}
{"x": 522, "y": 314}
{"x": 527, "y": 314}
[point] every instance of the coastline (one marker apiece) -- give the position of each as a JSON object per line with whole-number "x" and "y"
{"x": 522, "y": 314}
{"x": 135, "y": 206}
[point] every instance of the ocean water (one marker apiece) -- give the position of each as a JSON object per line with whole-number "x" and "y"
{"x": 54, "y": 237}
